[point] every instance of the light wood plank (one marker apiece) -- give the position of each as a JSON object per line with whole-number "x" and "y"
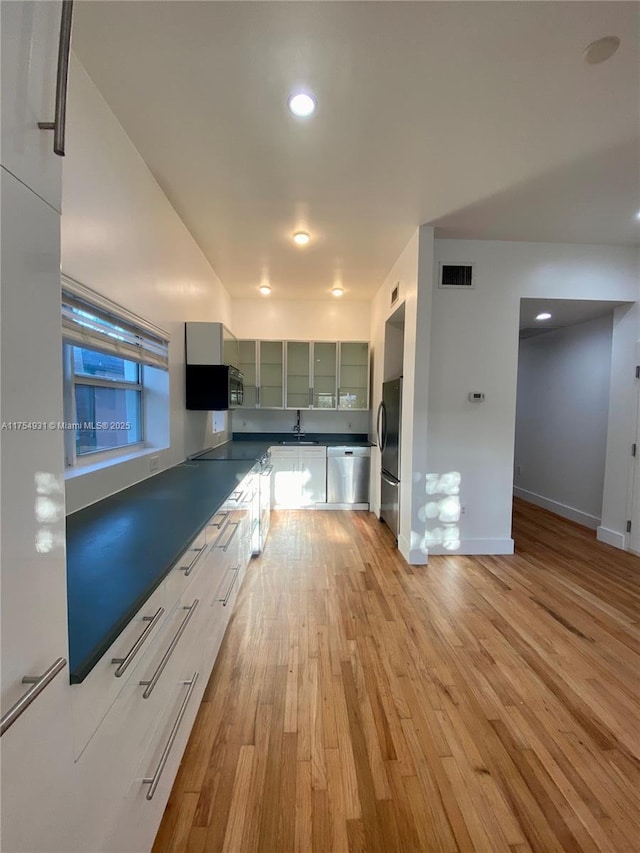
{"x": 359, "y": 704}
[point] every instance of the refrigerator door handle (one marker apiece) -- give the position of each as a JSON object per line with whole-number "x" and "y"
{"x": 382, "y": 427}
{"x": 379, "y": 425}
{"x": 389, "y": 480}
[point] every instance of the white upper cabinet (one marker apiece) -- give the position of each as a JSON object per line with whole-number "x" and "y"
{"x": 248, "y": 366}
{"x": 299, "y": 387}
{"x": 313, "y": 375}
{"x": 30, "y": 40}
{"x": 271, "y": 379}
{"x": 325, "y": 360}
{"x": 210, "y": 343}
{"x": 353, "y": 378}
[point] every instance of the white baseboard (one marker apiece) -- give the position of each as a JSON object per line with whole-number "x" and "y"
{"x": 343, "y": 506}
{"x": 471, "y": 547}
{"x": 565, "y": 511}
{"x": 413, "y": 556}
{"x": 612, "y": 537}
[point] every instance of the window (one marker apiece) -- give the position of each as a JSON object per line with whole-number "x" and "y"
{"x": 110, "y": 358}
{"x": 108, "y": 401}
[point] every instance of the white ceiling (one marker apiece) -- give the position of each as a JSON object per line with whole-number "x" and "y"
{"x": 564, "y": 312}
{"x": 481, "y": 118}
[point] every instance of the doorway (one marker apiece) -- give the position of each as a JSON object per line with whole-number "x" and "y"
{"x": 562, "y": 406}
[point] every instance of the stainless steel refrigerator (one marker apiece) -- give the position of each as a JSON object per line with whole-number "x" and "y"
{"x": 388, "y": 426}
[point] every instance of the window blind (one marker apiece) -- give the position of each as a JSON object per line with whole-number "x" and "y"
{"x": 98, "y": 327}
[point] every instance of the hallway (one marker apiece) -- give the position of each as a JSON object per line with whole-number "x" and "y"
{"x": 477, "y": 704}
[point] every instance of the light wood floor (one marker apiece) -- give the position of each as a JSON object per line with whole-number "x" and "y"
{"x": 477, "y": 704}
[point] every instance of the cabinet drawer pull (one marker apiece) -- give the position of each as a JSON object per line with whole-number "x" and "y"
{"x": 222, "y": 516}
{"x": 38, "y": 683}
{"x": 235, "y": 496}
{"x": 64, "y": 50}
{"x": 236, "y": 573}
{"x": 267, "y": 471}
{"x": 188, "y": 569}
{"x": 135, "y": 648}
{"x": 149, "y": 685}
{"x": 235, "y": 525}
{"x": 153, "y": 781}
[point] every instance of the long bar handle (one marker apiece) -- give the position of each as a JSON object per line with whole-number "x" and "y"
{"x": 149, "y": 685}
{"x": 235, "y": 525}
{"x": 236, "y": 574}
{"x": 267, "y": 471}
{"x": 310, "y": 398}
{"x": 223, "y": 517}
{"x": 135, "y": 648}
{"x": 38, "y": 683}
{"x": 153, "y": 781}
{"x": 58, "y": 125}
{"x": 188, "y": 569}
{"x": 379, "y": 425}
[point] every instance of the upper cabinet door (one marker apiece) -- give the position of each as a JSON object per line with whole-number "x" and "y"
{"x": 30, "y": 37}
{"x": 299, "y": 389}
{"x": 247, "y": 365}
{"x": 271, "y": 387}
{"x": 230, "y": 350}
{"x": 353, "y": 380}
{"x": 325, "y": 373}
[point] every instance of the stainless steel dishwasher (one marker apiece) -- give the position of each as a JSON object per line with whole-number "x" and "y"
{"x": 348, "y": 477}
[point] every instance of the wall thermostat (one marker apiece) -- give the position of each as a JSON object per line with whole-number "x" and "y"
{"x": 476, "y": 396}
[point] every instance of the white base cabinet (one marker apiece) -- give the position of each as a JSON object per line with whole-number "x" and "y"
{"x": 148, "y": 725}
{"x": 93, "y": 764}
{"x": 299, "y": 477}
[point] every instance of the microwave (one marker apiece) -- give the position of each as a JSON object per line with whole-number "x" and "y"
{"x": 214, "y": 387}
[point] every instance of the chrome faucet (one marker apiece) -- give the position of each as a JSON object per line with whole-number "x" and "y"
{"x": 297, "y": 426}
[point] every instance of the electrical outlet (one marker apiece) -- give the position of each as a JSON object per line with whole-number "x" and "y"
{"x": 463, "y": 510}
{"x": 154, "y": 464}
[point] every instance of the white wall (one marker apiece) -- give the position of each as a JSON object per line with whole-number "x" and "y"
{"x": 561, "y": 419}
{"x": 122, "y": 238}
{"x": 474, "y": 348}
{"x": 404, "y": 274}
{"x": 266, "y": 318}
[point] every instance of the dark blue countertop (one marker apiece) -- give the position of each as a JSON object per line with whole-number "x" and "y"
{"x": 120, "y": 549}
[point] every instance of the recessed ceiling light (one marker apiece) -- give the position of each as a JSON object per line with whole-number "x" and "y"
{"x": 301, "y": 238}
{"x": 601, "y": 50}
{"x": 544, "y": 316}
{"x": 264, "y": 289}
{"x": 337, "y": 291}
{"x": 302, "y": 104}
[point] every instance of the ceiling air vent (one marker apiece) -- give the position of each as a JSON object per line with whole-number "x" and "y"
{"x": 458, "y": 276}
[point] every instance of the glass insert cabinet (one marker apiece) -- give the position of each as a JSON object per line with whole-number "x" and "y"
{"x": 305, "y": 374}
